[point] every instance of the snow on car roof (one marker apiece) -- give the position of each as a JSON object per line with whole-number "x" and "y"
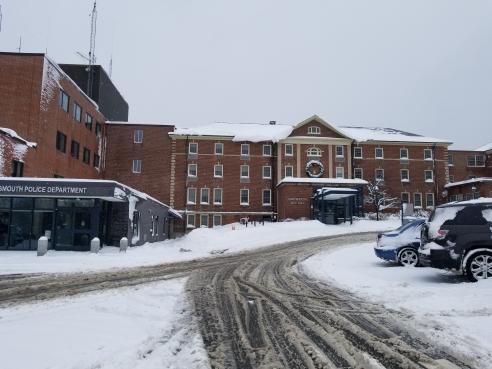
{"x": 468, "y": 181}
{"x": 365, "y": 134}
{"x": 481, "y": 200}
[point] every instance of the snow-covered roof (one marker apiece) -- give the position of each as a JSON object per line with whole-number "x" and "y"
{"x": 11, "y": 133}
{"x": 366, "y": 134}
{"x": 137, "y": 123}
{"x": 341, "y": 181}
{"x": 486, "y": 147}
{"x": 469, "y": 181}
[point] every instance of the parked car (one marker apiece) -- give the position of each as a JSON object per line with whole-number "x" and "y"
{"x": 458, "y": 236}
{"x": 401, "y": 245}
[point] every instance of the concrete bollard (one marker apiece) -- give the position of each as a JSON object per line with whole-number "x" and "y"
{"x": 42, "y": 245}
{"x": 123, "y": 244}
{"x": 95, "y": 245}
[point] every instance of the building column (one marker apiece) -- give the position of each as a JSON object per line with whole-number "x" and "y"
{"x": 330, "y": 161}
{"x": 298, "y": 148}
{"x": 349, "y": 161}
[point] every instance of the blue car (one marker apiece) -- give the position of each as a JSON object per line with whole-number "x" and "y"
{"x": 401, "y": 245}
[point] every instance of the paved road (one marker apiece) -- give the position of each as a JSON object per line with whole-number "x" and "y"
{"x": 257, "y": 310}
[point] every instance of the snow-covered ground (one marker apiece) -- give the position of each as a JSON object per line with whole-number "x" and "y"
{"x": 142, "y": 327}
{"x": 200, "y": 243}
{"x": 447, "y": 308}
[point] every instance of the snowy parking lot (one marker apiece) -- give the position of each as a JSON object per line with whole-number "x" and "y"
{"x": 447, "y": 307}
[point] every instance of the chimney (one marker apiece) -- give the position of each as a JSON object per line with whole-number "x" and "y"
{"x": 273, "y": 122}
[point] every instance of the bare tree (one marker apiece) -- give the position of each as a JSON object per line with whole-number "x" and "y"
{"x": 379, "y": 196}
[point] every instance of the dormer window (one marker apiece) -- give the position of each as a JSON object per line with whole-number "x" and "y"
{"x": 314, "y": 130}
{"x": 314, "y": 152}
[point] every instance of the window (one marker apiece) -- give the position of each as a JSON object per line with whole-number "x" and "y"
{"x": 244, "y": 149}
{"x": 339, "y": 172}
{"x": 86, "y": 158}
{"x": 244, "y": 197}
{"x": 429, "y": 176}
{"x": 267, "y": 150}
{"x": 244, "y": 171}
{"x": 405, "y": 197}
{"x": 404, "y": 175}
{"x": 404, "y": 154}
{"x": 190, "y": 221}
{"x": 289, "y": 171}
{"x": 357, "y": 152}
{"x": 61, "y": 142}
{"x": 476, "y": 161}
{"x": 427, "y": 154}
{"x": 192, "y": 170}
{"x": 429, "y": 200}
{"x": 88, "y": 121}
{"x": 17, "y": 168}
{"x": 98, "y": 129}
{"x": 358, "y": 173}
{"x": 417, "y": 200}
{"x": 204, "y": 196}
{"x": 203, "y": 220}
{"x": 192, "y": 148}
{"x": 217, "y": 220}
{"x": 137, "y": 166}
{"x": 380, "y": 174}
{"x": 217, "y": 196}
{"x": 135, "y": 224}
{"x": 314, "y": 130}
{"x": 64, "y": 101}
{"x": 219, "y": 148}
{"x": 74, "y": 149}
{"x": 138, "y": 136}
{"x": 218, "y": 170}
{"x": 97, "y": 161}
{"x": 339, "y": 151}
{"x": 289, "y": 150}
{"x": 314, "y": 152}
{"x": 266, "y": 172}
{"x": 77, "y": 112}
{"x": 191, "y": 196}
{"x": 379, "y": 153}
{"x": 451, "y": 179}
{"x": 267, "y": 197}
{"x": 450, "y": 159}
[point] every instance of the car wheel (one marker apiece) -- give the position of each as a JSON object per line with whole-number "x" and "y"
{"x": 408, "y": 258}
{"x": 479, "y": 266}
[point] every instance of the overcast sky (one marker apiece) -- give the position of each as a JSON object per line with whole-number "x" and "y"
{"x": 417, "y": 65}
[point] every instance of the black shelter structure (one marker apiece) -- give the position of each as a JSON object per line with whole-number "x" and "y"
{"x": 334, "y": 205}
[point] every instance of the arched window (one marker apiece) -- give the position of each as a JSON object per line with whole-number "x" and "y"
{"x": 314, "y": 152}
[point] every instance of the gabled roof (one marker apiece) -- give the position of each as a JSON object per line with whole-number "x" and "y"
{"x": 323, "y": 122}
{"x": 486, "y": 147}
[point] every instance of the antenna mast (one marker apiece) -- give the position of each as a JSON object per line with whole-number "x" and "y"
{"x": 92, "y": 50}
{"x": 0, "y": 17}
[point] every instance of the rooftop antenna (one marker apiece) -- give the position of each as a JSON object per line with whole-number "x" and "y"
{"x": 20, "y": 44}
{"x": 111, "y": 66}
{"x": 0, "y": 17}
{"x": 91, "y": 58}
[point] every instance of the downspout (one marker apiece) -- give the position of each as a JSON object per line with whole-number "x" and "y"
{"x": 273, "y": 183}
{"x": 186, "y": 184}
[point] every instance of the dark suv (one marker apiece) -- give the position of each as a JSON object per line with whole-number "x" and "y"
{"x": 458, "y": 236}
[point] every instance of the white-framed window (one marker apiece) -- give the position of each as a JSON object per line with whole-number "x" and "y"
{"x": 218, "y": 170}
{"x": 405, "y": 197}
{"x": 244, "y": 197}
{"x": 137, "y": 166}
{"x": 379, "y": 153}
{"x": 429, "y": 200}
{"x": 314, "y": 152}
{"x": 244, "y": 171}
{"x": 358, "y": 173}
{"x": 450, "y": 159}
{"x": 289, "y": 171}
{"x": 191, "y": 196}
{"x": 404, "y": 153}
{"x": 267, "y": 197}
{"x": 203, "y": 220}
{"x": 339, "y": 151}
{"x": 417, "y": 200}
{"x": 217, "y": 196}
{"x": 357, "y": 152}
{"x": 314, "y": 130}
{"x": 289, "y": 150}
{"x": 451, "y": 179}
{"x": 244, "y": 149}
{"x": 192, "y": 170}
{"x": 339, "y": 172}
{"x": 190, "y": 221}
{"x": 138, "y": 136}
{"x": 476, "y": 161}
{"x": 219, "y": 148}
{"x": 427, "y": 154}
{"x": 193, "y": 148}
{"x": 380, "y": 174}
{"x": 204, "y": 196}
{"x": 266, "y": 172}
{"x": 405, "y": 175}
{"x": 217, "y": 220}
{"x": 267, "y": 150}
{"x": 429, "y": 175}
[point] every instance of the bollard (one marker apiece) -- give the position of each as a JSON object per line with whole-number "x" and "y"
{"x": 95, "y": 245}
{"x": 42, "y": 245}
{"x": 123, "y": 244}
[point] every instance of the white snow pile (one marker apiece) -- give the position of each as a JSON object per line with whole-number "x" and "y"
{"x": 11, "y": 133}
{"x": 143, "y": 327}
{"x": 444, "y": 306}
{"x": 199, "y": 243}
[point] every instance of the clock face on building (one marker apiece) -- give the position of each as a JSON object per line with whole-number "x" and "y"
{"x": 314, "y": 169}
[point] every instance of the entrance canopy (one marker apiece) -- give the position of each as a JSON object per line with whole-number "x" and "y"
{"x": 335, "y": 193}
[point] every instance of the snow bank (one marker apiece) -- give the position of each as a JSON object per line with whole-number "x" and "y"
{"x": 199, "y": 243}
{"x": 447, "y": 308}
